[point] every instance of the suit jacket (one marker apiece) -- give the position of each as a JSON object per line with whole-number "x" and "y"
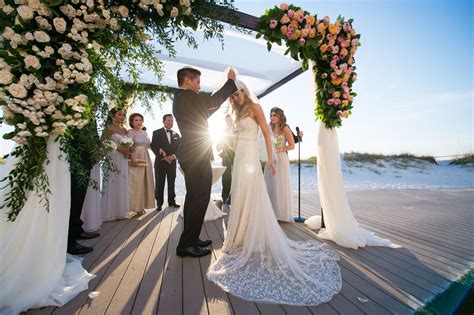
{"x": 159, "y": 141}
{"x": 191, "y": 111}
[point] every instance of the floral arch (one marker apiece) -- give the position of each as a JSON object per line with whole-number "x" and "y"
{"x": 58, "y": 58}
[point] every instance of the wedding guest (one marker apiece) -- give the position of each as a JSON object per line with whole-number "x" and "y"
{"x": 83, "y": 147}
{"x": 165, "y": 143}
{"x": 115, "y": 200}
{"x": 141, "y": 185}
{"x": 279, "y": 185}
{"x": 226, "y": 149}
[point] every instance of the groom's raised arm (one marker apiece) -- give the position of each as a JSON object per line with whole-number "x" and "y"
{"x": 214, "y": 101}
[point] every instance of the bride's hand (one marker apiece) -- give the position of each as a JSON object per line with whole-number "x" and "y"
{"x": 272, "y": 167}
{"x": 231, "y": 74}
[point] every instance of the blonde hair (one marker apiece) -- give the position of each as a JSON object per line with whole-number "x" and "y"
{"x": 240, "y": 111}
{"x": 281, "y": 117}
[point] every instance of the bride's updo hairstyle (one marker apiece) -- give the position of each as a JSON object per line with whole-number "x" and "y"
{"x": 281, "y": 117}
{"x": 241, "y": 110}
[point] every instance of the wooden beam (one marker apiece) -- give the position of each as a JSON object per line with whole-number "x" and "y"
{"x": 235, "y": 17}
{"x": 286, "y": 79}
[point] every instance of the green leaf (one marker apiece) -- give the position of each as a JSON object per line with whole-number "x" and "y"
{"x": 269, "y": 46}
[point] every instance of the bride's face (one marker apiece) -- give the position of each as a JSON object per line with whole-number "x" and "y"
{"x": 238, "y": 97}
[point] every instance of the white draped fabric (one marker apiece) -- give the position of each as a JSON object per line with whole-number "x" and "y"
{"x": 341, "y": 226}
{"x": 34, "y": 268}
{"x": 91, "y": 214}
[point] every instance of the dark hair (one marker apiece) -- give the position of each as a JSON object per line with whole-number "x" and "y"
{"x": 132, "y": 117}
{"x": 281, "y": 116}
{"x": 111, "y": 114}
{"x": 167, "y": 115}
{"x": 187, "y": 72}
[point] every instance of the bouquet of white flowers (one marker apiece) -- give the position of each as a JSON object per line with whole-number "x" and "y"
{"x": 278, "y": 141}
{"x": 109, "y": 146}
{"x": 126, "y": 142}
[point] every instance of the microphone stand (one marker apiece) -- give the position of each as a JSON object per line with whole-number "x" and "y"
{"x": 299, "y": 218}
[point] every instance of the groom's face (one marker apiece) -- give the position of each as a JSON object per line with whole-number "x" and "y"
{"x": 193, "y": 84}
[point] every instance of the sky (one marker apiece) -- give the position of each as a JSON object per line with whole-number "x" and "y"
{"x": 415, "y": 79}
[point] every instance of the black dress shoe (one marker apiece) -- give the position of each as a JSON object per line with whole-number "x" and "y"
{"x": 174, "y": 205}
{"x": 158, "y": 209}
{"x": 194, "y": 251}
{"x": 87, "y": 236}
{"x": 204, "y": 243}
{"x": 78, "y": 249}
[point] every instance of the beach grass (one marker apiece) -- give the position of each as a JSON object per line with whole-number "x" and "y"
{"x": 467, "y": 160}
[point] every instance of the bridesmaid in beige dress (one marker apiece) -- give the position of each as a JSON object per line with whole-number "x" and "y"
{"x": 279, "y": 185}
{"x": 142, "y": 191}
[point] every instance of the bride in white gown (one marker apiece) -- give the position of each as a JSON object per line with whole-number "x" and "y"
{"x": 258, "y": 262}
{"x": 35, "y": 270}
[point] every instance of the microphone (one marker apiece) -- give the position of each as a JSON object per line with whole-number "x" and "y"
{"x": 298, "y": 133}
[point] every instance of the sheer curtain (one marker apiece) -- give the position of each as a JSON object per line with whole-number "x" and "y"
{"x": 341, "y": 226}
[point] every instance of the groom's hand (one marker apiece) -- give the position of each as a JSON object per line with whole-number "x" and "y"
{"x": 231, "y": 74}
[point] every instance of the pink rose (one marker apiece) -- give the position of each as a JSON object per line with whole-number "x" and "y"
{"x": 289, "y": 35}
{"x": 340, "y": 39}
{"x": 343, "y": 67}
{"x": 344, "y": 85}
{"x": 339, "y": 113}
{"x": 307, "y": 26}
{"x": 326, "y": 19}
{"x": 337, "y": 102}
{"x": 302, "y": 41}
{"x": 345, "y": 95}
{"x": 329, "y": 36}
{"x": 335, "y": 57}
{"x": 333, "y": 75}
{"x": 350, "y": 69}
{"x": 330, "y": 101}
{"x": 335, "y": 50}
{"x": 346, "y": 27}
{"x": 291, "y": 13}
{"x": 273, "y": 23}
{"x": 324, "y": 75}
{"x": 284, "y": 6}
{"x": 333, "y": 63}
{"x": 291, "y": 27}
{"x": 354, "y": 42}
{"x": 300, "y": 18}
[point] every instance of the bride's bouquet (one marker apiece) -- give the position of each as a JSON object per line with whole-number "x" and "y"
{"x": 126, "y": 142}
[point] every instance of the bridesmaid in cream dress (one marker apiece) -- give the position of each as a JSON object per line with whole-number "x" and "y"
{"x": 115, "y": 201}
{"x": 279, "y": 185}
{"x": 142, "y": 191}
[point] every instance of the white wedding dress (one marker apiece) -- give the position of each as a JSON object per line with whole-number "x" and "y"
{"x": 35, "y": 270}
{"x": 258, "y": 262}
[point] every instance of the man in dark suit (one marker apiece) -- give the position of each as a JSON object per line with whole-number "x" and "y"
{"x": 83, "y": 148}
{"x": 165, "y": 143}
{"x": 191, "y": 110}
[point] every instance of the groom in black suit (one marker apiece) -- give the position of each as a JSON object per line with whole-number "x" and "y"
{"x": 165, "y": 144}
{"x": 191, "y": 110}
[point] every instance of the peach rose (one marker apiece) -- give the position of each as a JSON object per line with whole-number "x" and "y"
{"x": 284, "y": 6}
{"x": 284, "y": 19}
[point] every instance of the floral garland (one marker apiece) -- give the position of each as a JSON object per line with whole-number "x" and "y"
{"x": 331, "y": 46}
{"x": 57, "y": 59}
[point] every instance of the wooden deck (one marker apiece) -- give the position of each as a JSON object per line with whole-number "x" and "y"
{"x": 138, "y": 272}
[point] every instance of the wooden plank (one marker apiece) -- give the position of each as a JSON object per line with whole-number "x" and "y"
{"x": 115, "y": 273}
{"x": 148, "y": 295}
{"x": 124, "y": 297}
{"x": 217, "y": 300}
{"x": 348, "y": 290}
{"x": 171, "y": 293}
{"x": 104, "y": 261}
